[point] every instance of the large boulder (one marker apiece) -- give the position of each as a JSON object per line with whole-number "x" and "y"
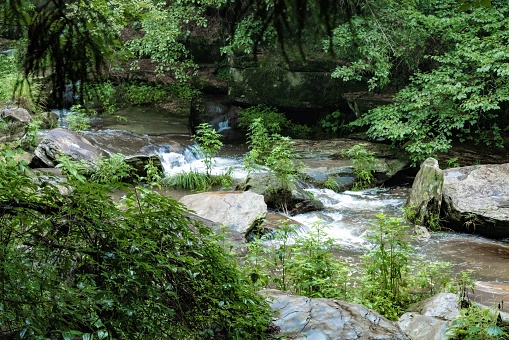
{"x": 13, "y": 124}
{"x": 426, "y": 195}
{"x": 476, "y": 199}
{"x": 291, "y": 198}
{"x": 61, "y": 142}
{"x": 240, "y": 211}
{"x": 430, "y": 318}
{"x": 300, "y": 317}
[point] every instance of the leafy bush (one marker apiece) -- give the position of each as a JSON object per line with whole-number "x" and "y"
{"x": 271, "y": 150}
{"x": 14, "y": 87}
{"x": 209, "y": 144}
{"x": 385, "y": 267}
{"x": 140, "y": 94}
{"x": 273, "y": 121}
{"x": 112, "y": 170}
{"x": 460, "y": 94}
{"x": 477, "y": 323}
{"x": 82, "y": 266}
{"x": 78, "y": 118}
{"x": 334, "y": 123}
{"x": 104, "y": 92}
{"x": 364, "y": 165}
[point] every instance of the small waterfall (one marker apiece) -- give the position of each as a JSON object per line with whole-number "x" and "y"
{"x": 223, "y": 125}
{"x": 175, "y": 162}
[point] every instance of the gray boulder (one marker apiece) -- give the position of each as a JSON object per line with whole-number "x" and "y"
{"x": 291, "y": 199}
{"x": 240, "y": 211}
{"x": 423, "y": 327}
{"x": 444, "y": 306}
{"x": 61, "y": 142}
{"x": 300, "y": 317}
{"x": 476, "y": 199}
{"x": 429, "y": 319}
{"x": 426, "y": 195}
{"x": 15, "y": 124}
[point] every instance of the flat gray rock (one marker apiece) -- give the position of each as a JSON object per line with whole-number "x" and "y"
{"x": 240, "y": 211}
{"x": 300, "y": 317}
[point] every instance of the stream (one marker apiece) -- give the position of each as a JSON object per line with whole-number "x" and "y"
{"x": 347, "y": 215}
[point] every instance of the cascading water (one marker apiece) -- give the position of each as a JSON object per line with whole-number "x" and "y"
{"x": 350, "y": 214}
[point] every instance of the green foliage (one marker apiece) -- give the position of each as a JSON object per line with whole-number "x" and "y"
{"x": 111, "y": 170}
{"x": 103, "y": 92}
{"x": 334, "y": 123}
{"x": 303, "y": 264}
{"x": 247, "y": 31}
{"x": 364, "y": 165}
{"x": 476, "y": 323}
{"x": 191, "y": 180}
{"x": 332, "y": 184}
{"x": 25, "y": 92}
{"x": 380, "y": 51}
{"x": 463, "y": 92}
{"x": 271, "y": 150}
{"x": 139, "y": 270}
{"x": 273, "y": 121}
{"x": 154, "y": 176}
{"x": 313, "y": 269}
{"x": 431, "y": 277}
{"x": 208, "y": 141}
{"x": 143, "y": 94}
{"x": 198, "y": 181}
{"x": 78, "y": 117}
{"x": 385, "y": 268}
{"x": 410, "y": 214}
{"x": 452, "y": 162}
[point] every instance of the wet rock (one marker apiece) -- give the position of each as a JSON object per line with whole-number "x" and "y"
{"x": 61, "y": 142}
{"x": 13, "y": 124}
{"x": 139, "y": 162}
{"x": 423, "y": 327}
{"x": 240, "y": 211}
{"x": 325, "y": 160}
{"x": 300, "y": 317}
{"x": 291, "y": 199}
{"x": 421, "y": 232}
{"x": 426, "y": 195}
{"x": 233, "y": 240}
{"x": 476, "y": 199}
{"x": 444, "y": 306}
{"x": 429, "y": 319}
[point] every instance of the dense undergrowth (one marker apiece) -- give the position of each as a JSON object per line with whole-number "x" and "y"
{"x": 77, "y": 264}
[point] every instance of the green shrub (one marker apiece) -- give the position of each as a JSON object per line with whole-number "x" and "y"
{"x": 209, "y": 144}
{"x": 271, "y": 150}
{"x": 82, "y": 266}
{"x": 334, "y": 123}
{"x": 111, "y": 170}
{"x": 140, "y": 94}
{"x": 364, "y": 165}
{"x": 104, "y": 93}
{"x": 385, "y": 267}
{"x": 477, "y": 323}
{"x": 78, "y": 118}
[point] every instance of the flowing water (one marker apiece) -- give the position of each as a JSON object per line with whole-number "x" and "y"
{"x": 347, "y": 215}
